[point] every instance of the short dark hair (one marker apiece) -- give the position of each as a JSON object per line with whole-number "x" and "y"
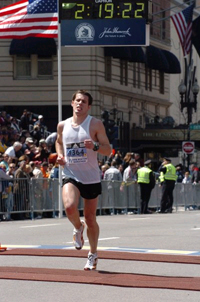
{"x": 84, "y": 92}
{"x": 132, "y": 162}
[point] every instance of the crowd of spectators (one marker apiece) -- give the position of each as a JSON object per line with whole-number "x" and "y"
{"x": 24, "y": 154}
{"x": 26, "y": 151}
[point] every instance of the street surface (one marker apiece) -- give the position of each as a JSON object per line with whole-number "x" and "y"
{"x": 176, "y": 234}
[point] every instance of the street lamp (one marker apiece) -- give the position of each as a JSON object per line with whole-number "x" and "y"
{"x": 188, "y": 103}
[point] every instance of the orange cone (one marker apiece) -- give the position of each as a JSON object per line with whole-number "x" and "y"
{"x": 2, "y": 248}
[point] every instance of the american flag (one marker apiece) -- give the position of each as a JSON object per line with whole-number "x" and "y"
{"x": 183, "y": 24}
{"x": 29, "y": 18}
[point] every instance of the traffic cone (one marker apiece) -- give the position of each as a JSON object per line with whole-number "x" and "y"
{"x": 2, "y": 248}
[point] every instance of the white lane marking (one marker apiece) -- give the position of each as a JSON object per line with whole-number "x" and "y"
{"x": 100, "y": 239}
{"x": 39, "y": 225}
{"x": 195, "y": 229}
{"x": 142, "y": 218}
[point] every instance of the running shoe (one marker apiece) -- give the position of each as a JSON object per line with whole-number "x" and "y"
{"x": 91, "y": 262}
{"x": 78, "y": 240}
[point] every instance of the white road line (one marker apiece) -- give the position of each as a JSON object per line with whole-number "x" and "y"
{"x": 100, "y": 239}
{"x": 195, "y": 229}
{"x": 142, "y": 218}
{"x": 39, "y": 225}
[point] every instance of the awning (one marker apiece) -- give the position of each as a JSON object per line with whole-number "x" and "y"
{"x": 122, "y": 53}
{"x": 131, "y": 54}
{"x": 32, "y": 45}
{"x": 137, "y": 54}
{"x": 174, "y": 64}
{"x": 156, "y": 59}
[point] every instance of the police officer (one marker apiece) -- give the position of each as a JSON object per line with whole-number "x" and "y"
{"x": 146, "y": 179}
{"x": 168, "y": 175}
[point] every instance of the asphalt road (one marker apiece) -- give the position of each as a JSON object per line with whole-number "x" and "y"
{"x": 176, "y": 233}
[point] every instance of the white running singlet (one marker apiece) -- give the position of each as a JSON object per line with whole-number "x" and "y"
{"x": 81, "y": 163}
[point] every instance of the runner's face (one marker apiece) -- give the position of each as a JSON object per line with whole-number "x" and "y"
{"x": 81, "y": 104}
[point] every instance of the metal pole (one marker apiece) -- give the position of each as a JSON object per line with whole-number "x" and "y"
{"x": 60, "y": 206}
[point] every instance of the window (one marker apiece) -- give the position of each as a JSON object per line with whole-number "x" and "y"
{"x": 162, "y": 82}
{"x": 148, "y": 78}
{"x": 23, "y": 66}
{"x": 108, "y": 69}
{"x": 163, "y": 26}
{"x": 136, "y": 75}
{"x": 33, "y": 67}
{"x": 140, "y": 120}
{"x": 5, "y": 3}
{"x": 123, "y": 72}
{"x": 45, "y": 66}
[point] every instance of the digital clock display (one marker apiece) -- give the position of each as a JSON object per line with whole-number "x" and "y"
{"x": 103, "y": 9}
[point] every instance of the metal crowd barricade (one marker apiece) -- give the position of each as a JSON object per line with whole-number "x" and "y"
{"x": 31, "y": 198}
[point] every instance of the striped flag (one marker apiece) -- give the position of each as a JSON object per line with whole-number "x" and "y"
{"x": 29, "y": 18}
{"x": 183, "y": 24}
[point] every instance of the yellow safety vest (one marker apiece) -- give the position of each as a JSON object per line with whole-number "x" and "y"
{"x": 170, "y": 173}
{"x": 161, "y": 177}
{"x": 143, "y": 175}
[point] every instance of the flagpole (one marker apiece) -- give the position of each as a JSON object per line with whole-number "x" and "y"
{"x": 60, "y": 205}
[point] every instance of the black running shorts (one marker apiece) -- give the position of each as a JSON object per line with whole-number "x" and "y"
{"x": 87, "y": 191}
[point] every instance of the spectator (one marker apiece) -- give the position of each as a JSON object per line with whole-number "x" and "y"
{"x": 20, "y": 190}
{"x": 195, "y": 174}
{"x": 139, "y": 159}
{"x": 179, "y": 173}
{"x": 130, "y": 173}
{"x": 28, "y": 143}
{"x": 44, "y": 151}
{"x": 32, "y": 164}
{"x": 11, "y": 170}
{"x": 14, "y": 151}
{"x": 187, "y": 191}
{"x": 36, "y": 134}
{"x": 2, "y": 120}
{"x": 44, "y": 169}
{"x": 103, "y": 170}
{"x": 118, "y": 158}
{"x": 38, "y": 189}
{"x": 3, "y": 189}
{"x": 40, "y": 122}
{"x": 54, "y": 171}
{"x": 127, "y": 159}
{"x": 112, "y": 175}
{"x": 9, "y": 201}
{"x": 50, "y": 140}
{"x": 3, "y": 146}
{"x": 121, "y": 169}
{"x": 5, "y": 161}
{"x": 34, "y": 154}
{"x": 24, "y": 158}
{"x": 24, "y": 120}
{"x": 5, "y": 139}
{"x": 14, "y": 136}
{"x": 15, "y": 125}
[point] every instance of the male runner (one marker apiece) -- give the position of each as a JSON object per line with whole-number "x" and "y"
{"x": 79, "y": 138}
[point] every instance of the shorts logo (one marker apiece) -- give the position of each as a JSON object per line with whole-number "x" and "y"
{"x": 84, "y": 32}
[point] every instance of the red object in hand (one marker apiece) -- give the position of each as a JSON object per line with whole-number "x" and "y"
{"x": 52, "y": 158}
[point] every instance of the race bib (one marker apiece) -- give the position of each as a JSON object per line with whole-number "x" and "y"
{"x": 76, "y": 153}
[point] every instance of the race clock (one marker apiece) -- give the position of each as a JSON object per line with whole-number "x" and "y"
{"x": 104, "y": 9}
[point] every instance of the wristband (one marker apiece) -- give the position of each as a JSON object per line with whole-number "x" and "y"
{"x": 96, "y": 146}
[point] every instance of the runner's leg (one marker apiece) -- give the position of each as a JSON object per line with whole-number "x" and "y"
{"x": 90, "y": 206}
